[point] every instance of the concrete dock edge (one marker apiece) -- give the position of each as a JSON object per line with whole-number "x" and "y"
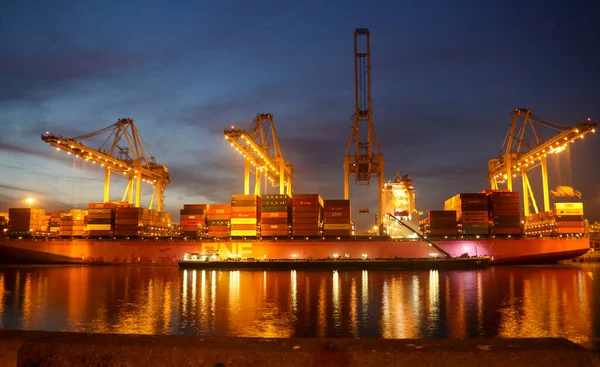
{"x": 34, "y": 348}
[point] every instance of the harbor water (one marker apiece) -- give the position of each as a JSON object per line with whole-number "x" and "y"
{"x": 524, "y": 301}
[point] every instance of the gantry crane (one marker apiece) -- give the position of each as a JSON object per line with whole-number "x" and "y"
{"x": 520, "y": 153}
{"x": 361, "y": 159}
{"x": 259, "y": 145}
{"x": 132, "y": 159}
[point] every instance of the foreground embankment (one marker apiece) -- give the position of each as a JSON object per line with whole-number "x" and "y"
{"x": 33, "y": 348}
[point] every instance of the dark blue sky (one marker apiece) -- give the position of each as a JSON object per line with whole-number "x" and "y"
{"x": 445, "y": 77}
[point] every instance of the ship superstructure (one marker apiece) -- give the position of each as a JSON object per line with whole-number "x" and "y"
{"x": 399, "y": 199}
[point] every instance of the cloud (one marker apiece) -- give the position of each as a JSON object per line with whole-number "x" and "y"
{"x": 7, "y": 147}
{"x": 19, "y": 189}
{"x": 56, "y": 65}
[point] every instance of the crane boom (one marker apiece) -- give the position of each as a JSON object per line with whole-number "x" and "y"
{"x": 259, "y": 145}
{"x": 361, "y": 158}
{"x": 517, "y": 157}
{"x": 133, "y": 160}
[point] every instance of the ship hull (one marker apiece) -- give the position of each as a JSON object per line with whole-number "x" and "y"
{"x": 502, "y": 251}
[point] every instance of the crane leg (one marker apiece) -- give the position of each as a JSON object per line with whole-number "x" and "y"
{"x": 106, "y": 184}
{"x": 509, "y": 182}
{"x": 546, "y": 192}
{"x": 127, "y": 190}
{"x": 257, "y": 182}
{"x": 131, "y": 186}
{"x": 281, "y": 177}
{"x": 246, "y": 177}
{"x": 138, "y": 189}
{"x": 531, "y": 196}
{"x": 525, "y": 194}
{"x": 160, "y": 196}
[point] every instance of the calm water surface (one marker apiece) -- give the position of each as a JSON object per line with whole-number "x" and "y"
{"x": 529, "y": 301}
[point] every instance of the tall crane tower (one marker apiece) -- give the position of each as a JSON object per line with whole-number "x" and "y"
{"x": 525, "y": 147}
{"x": 124, "y": 152}
{"x": 363, "y": 156}
{"x": 259, "y": 145}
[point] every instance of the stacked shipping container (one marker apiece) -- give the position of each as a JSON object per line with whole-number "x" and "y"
{"x": 307, "y": 214}
{"x": 505, "y": 216}
{"x": 337, "y": 218}
{"x": 139, "y": 222}
{"x": 439, "y": 223}
{"x": 218, "y": 220}
{"x": 245, "y": 215}
{"x": 193, "y": 220}
{"x": 472, "y": 213}
{"x": 565, "y": 219}
{"x": 27, "y": 222}
{"x": 54, "y": 225}
{"x": 101, "y": 219}
{"x": 73, "y": 223}
{"x": 275, "y": 215}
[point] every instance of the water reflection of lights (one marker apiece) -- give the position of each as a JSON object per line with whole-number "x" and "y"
{"x": 203, "y": 304}
{"x": 194, "y": 291}
{"x": 322, "y": 321}
{"x": 480, "y": 300}
{"x": 335, "y": 298}
{"x": 184, "y": 293}
{"x": 27, "y": 303}
{"x": 365, "y": 297}
{"x": 234, "y": 291}
{"x": 213, "y": 294}
{"x": 2, "y": 291}
{"x": 293, "y": 292}
{"x": 353, "y": 309}
{"x": 434, "y": 298}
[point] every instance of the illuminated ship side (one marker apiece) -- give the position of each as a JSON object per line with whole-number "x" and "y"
{"x": 399, "y": 199}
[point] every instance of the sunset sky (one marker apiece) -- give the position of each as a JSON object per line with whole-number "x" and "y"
{"x": 445, "y": 77}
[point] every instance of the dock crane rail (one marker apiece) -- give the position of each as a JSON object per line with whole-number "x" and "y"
{"x": 259, "y": 145}
{"x": 399, "y": 221}
{"x": 133, "y": 160}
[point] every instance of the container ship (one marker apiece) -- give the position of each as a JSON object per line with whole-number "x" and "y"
{"x": 302, "y": 226}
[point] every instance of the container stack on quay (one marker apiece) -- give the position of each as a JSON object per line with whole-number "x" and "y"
{"x": 27, "y": 222}
{"x": 275, "y": 216}
{"x": 472, "y": 213}
{"x": 218, "y": 220}
{"x": 337, "y": 218}
{"x": 566, "y": 219}
{"x": 245, "y": 215}
{"x": 307, "y": 214}
{"x": 73, "y": 223}
{"x": 439, "y": 223}
{"x": 192, "y": 220}
{"x": 101, "y": 219}
{"x": 505, "y": 217}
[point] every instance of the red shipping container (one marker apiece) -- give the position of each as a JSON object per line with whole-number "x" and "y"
{"x": 243, "y": 227}
{"x": 274, "y": 226}
{"x": 306, "y": 215}
{"x": 274, "y": 215}
{"x": 300, "y": 202}
{"x": 274, "y": 221}
{"x": 305, "y": 220}
{"x": 337, "y": 214}
{"x": 337, "y": 220}
{"x": 195, "y": 206}
{"x": 219, "y": 209}
{"x": 243, "y": 215}
{"x": 311, "y": 226}
{"x": 307, "y": 209}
